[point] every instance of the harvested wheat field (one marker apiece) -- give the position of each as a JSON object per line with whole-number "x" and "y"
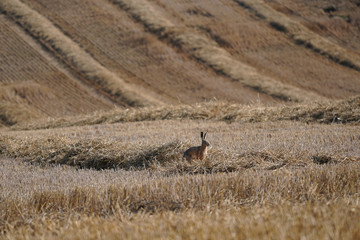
{"x": 99, "y": 100}
{"x": 264, "y": 177}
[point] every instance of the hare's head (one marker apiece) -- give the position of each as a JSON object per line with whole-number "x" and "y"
{"x": 203, "y": 141}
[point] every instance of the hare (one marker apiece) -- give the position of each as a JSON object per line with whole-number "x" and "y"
{"x": 198, "y": 152}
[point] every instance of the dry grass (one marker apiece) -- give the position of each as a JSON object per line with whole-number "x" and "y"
{"x": 34, "y": 85}
{"x": 345, "y": 111}
{"x": 74, "y": 56}
{"x": 12, "y": 113}
{"x": 302, "y": 35}
{"x": 265, "y": 204}
{"x": 210, "y": 53}
{"x": 276, "y": 222}
{"x": 288, "y": 172}
{"x": 268, "y": 179}
{"x": 105, "y": 154}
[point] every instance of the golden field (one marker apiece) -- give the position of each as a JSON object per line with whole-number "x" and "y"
{"x": 99, "y": 99}
{"x": 279, "y": 179}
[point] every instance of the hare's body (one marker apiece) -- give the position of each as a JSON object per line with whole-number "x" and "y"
{"x": 198, "y": 152}
{"x": 195, "y": 153}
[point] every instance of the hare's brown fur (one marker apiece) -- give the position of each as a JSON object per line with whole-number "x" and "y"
{"x": 198, "y": 152}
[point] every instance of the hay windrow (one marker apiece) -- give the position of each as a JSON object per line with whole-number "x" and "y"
{"x": 12, "y": 113}
{"x": 94, "y": 154}
{"x": 345, "y": 112}
{"x": 210, "y": 53}
{"x": 301, "y": 35}
{"x": 167, "y": 158}
{"x": 72, "y": 54}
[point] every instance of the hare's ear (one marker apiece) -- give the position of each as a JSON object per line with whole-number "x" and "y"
{"x": 205, "y": 135}
{"x": 202, "y": 135}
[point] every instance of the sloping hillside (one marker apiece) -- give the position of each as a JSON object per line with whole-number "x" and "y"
{"x": 33, "y": 85}
{"x": 61, "y": 58}
{"x": 99, "y": 100}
